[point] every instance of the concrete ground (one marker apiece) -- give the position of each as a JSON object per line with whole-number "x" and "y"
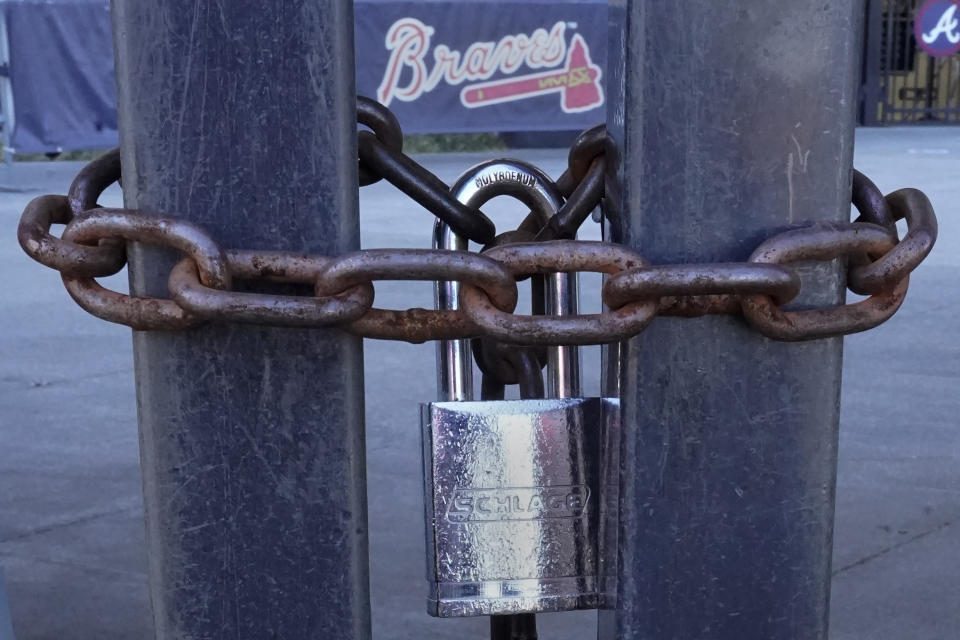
{"x": 71, "y": 528}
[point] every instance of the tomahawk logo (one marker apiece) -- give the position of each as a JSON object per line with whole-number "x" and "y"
{"x": 569, "y": 71}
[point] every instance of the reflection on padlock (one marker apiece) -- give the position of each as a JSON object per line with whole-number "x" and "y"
{"x": 514, "y": 488}
{"x": 514, "y": 491}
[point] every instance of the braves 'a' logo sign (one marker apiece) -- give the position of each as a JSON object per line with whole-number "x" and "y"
{"x": 569, "y": 69}
{"x": 937, "y": 27}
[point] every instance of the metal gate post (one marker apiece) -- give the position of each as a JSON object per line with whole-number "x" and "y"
{"x": 240, "y": 116}
{"x": 732, "y": 121}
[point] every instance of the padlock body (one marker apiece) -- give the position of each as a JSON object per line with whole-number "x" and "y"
{"x": 513, "y": 505}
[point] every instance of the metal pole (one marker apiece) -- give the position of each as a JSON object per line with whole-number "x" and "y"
{"x": 732, "y": 122}
{"x": 240, "y": 116}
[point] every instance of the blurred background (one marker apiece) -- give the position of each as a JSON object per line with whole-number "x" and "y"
{"x": 503, "y": 80}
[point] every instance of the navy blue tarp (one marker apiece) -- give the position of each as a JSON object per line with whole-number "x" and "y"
{"x": 61, "y": 69}
{"x": 441, "y": 66}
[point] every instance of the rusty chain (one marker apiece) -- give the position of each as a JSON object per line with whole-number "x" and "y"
{"x": 381, "y": 156}
{"x": 635, "y": 292}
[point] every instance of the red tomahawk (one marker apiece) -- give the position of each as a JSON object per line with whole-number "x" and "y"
{"x": 578, "y": 82}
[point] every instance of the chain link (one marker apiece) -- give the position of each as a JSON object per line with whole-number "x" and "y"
{"x": 892, "y": 266}
{"x": 524, "y": 259}
{"x": 820, "y": 243}
{"x": 384, "y": 158}
{"x": 386, "y": 130}
{"x": 201, "y": 284}
{"x": 208, "y": 303}
{"x": 102, "y": 259}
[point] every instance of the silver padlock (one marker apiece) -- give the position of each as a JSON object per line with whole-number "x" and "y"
{"x": 513, "y": 488}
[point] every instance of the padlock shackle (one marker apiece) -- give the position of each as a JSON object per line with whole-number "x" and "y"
{"x": 535, "y": 189}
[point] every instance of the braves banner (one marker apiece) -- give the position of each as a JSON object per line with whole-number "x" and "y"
{"x": 463, "y": 66}
{"x": 442, "y": 66}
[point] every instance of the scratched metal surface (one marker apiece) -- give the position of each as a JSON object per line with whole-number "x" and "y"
{"x": 735, "y": 122}
{"x": 513, "y": 504}
{"x": 252, "y": 438}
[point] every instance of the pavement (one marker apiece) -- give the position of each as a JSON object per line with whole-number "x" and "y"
{"x": 71, "y": 523}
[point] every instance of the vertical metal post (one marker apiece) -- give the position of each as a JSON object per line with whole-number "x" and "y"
{"x": 733, "y": 122}
{"x": 240, "y": 116}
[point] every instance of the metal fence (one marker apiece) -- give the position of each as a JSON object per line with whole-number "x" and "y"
{"x": 902, "y": 82}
